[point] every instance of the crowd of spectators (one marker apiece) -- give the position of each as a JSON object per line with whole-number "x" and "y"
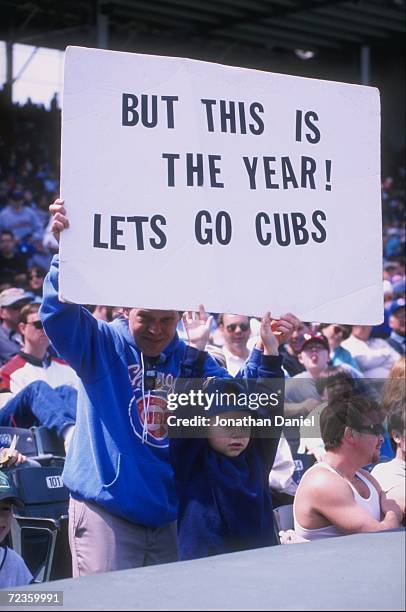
{"x": 322, "y": 362}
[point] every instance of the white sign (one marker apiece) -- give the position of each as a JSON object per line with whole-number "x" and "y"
{"x": 187, "y": 182}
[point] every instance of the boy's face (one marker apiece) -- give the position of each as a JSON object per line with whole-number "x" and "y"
{"x": 229, "y": 440}
{"x": 5, "y": 519}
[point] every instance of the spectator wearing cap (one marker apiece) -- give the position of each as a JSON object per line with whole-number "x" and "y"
{"x": 13, "y": 570}
{"x": 335, "y": 335}
{"x": 34, "y": 362}
{"x": 301, "y": 389}
{"x": 394, "y": 272}
{"x": 20, "y": 219}
{"x": 11, "y": 302}
{"x": 314, "y": 355}
{"x": 13, "y": 265}
{"x": 374, "y": 355}
{"x": 397, "y": 324}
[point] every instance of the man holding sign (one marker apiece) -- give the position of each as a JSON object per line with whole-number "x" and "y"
{"x": 123, "y": 503}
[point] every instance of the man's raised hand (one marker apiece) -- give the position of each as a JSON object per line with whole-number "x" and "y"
{"x": 60, "y": 221}
{"x": 284, "y": 327}
{"x": 197, "y": 326}
{"x": 267, "y": 335}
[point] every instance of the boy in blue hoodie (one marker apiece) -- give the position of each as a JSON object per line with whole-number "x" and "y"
{"x": 222, "y": 481}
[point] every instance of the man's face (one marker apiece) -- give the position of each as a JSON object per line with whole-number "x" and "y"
{"x": 236, "y": 331}
{"x": 397, "y": 321}
{"x": 229, "y": 440}
{"x": 5, "y": 519}
{"x": 36, "y": 279}
{"x": 11, "y": 314}
{"x": 296, "y": 339}
{"x": 368, "y": 443}
{"x": 33, "y": 332}
{"x": 334, "y": 334}
{"x": 152, "y": 330}
{"x": 17, "y": 203}
{"x": 314, "y": 357}
{"x": 7, "y": 244}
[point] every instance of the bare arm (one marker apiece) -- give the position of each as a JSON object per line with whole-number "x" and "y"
{"x": 330, "y": 497}
{"x": 397, "y": 495}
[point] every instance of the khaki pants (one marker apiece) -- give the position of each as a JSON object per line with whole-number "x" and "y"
{"x": 102, "y": 542}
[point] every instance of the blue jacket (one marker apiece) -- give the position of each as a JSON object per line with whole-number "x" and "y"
{"x": 109, "y": 463}
{"x": 225, "y": 503}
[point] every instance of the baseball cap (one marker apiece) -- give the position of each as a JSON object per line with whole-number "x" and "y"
{"x": 316, "y": 337}
{"x": 8, "y": 490}
{"x": 396, "y": 305}
{"x": 225, "y": 387}
{"x": 9, "y": 297}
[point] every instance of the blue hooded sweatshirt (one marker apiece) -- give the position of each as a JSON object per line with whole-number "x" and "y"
{"x": 225, "y": 503}
{"x": 117, "y": 458}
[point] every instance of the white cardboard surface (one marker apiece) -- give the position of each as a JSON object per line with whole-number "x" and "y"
{"x": 115, "y": 170}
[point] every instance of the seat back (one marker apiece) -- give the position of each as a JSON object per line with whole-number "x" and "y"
{"x": 40, "y": 531}
{"x": 42, "y": 491}
{"x": 35, "y": 540}
{"x": 47, "y": 442}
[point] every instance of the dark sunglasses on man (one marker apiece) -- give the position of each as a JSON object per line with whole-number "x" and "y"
{"x": 377, "y": 429}
{"x": 233, "y": 326}
{"x": 37, "y": 324}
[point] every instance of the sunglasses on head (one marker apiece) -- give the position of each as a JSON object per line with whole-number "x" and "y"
{"x": 233, "y": 326}
{"x": 36, "y": 324}
{"x": 377, "y": 429}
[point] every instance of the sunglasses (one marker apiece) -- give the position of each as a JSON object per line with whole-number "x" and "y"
{"x": 37, "y": 324}
{"x": 233, "y": 326}
{"x": 32, "y": 276}
{"x": 376, "y": 429}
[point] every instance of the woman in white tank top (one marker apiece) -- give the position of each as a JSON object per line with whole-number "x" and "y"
{"x": 371, "y": 504}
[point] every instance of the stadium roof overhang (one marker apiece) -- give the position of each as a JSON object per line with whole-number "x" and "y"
{"x": 209, "y": 29}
